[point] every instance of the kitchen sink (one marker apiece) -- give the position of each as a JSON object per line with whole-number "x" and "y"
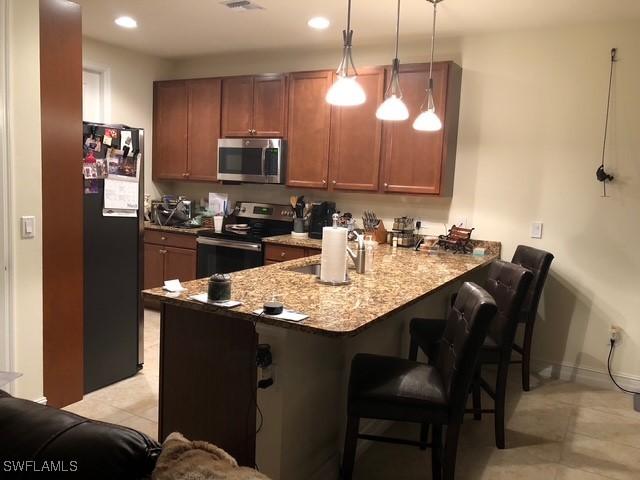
{"x": 313, "y": 269}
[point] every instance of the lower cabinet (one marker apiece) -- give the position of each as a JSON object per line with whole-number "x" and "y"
{"x": 274, "y": 253}
{"x": 168, "y": 256}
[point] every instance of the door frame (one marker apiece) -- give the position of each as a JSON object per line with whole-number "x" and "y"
{"x": 105, "y": 75}
{"x": 6, "y": 288}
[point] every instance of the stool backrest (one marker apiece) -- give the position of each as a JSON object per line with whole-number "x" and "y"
{"x": 508, "y": 284}
{"x": 538, "y": 262}
{"x": 465, "y": 331}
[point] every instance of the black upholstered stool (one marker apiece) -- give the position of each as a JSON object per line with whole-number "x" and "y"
{"x": 538, "y": 262}
{"x": 397, "y": 389}
{"x": 507, "y": 283}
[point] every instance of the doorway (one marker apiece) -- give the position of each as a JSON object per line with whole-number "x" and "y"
{"x": 6, "y": 333}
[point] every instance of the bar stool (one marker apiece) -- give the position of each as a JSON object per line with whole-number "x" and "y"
{"x": 391, "y": 388}
{"x": 538, "y": 262}
{"x": 507, "y": 283}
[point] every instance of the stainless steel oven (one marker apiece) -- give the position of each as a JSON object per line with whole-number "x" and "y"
{"x": 220, "y": 255}
{"x": 254, "y": 160}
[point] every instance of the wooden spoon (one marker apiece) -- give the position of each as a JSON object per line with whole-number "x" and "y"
{"x": 293, "y": 200}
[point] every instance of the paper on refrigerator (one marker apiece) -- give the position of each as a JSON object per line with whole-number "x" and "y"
{"x": 120, "y": 194}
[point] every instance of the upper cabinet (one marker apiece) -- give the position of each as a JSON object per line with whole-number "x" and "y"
{"x": 332, "y": 148}
{"x": 356, "y": 136}
{"x": 170, "y": 118}
{"x": 254, "y": 106}
{"x": 309, "y": 124}
{"x": 186, "y": 117}
{"x": 423, "y": 162}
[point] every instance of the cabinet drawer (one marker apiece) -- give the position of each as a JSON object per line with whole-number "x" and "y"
{"x": 310, "y": 252}
{"x": 178, "y": 240}
{"x": 282, "y": 253}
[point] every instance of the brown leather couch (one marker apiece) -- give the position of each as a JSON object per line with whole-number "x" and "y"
{"x": 37, "y": 441}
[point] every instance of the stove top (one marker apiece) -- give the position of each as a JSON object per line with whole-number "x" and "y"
{"x": 262, "y": 220}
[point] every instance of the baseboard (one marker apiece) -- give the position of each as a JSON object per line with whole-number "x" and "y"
{"x": 41, "y": 400}
{"x": 331, "y": 468}
{"x": 585, "y": 376}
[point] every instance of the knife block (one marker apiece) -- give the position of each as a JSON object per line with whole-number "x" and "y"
{"x": 378, "y": 234}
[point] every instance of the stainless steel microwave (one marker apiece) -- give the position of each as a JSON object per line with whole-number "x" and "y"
{"x": 254, "y": 160}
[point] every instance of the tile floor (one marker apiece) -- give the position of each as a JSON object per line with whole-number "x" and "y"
{"x": 558, "y": 431}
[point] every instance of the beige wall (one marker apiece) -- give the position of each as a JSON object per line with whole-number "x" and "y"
{"x": 131, "y": 77}
{"x": 25, "y": 190}
{"x": 529, "y": 143}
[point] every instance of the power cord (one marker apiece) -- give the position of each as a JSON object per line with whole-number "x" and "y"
{"x": 613, "y": 344}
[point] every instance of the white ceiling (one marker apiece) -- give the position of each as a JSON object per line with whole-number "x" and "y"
{"x": 183, "y": 28}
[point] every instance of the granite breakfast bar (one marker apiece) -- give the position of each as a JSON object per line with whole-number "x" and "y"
{"x": 208, "y": 354}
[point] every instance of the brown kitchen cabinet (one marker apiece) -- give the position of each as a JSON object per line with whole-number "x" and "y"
{"x": 356, "y": 136}
{"x": 276, "y": 253}
{"x": 423, "y": 162}
{"x": 168, "y": 256}
{"x": 308, "y": 131}
{"x": 186, "y": 117}
{"x": 254, "y": 106}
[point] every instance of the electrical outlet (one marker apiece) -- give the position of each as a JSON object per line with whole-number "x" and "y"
{"x": 614, "y": 333}
{"x": 536, "y": 230}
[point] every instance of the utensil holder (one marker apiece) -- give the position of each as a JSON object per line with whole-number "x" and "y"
{"x": 378, "y": 234}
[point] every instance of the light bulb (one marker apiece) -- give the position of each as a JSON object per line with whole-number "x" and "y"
{"x": 392, "y": 109}
{"x": 427, "y": 121}
{"x": 346, "y": 92}
{"x": 126, "y": 22}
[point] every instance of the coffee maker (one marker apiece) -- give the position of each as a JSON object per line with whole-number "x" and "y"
{"x": 321, "y": 216}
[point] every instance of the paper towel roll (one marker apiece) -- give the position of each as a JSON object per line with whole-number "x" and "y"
{"x": 333, "y": 266}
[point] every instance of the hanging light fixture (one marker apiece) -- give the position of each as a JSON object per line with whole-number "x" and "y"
{"x": 393, "y": 108}
{"x": 428, "y": 120}
{"x": 346, "y": 91}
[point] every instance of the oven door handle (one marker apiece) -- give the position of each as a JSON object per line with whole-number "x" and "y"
{"x": 217, "y": 242}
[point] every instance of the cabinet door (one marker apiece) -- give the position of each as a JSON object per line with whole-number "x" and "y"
{"x": 413, "y": 160}
{"x": 269, "y": 106}
{"x": 308, "y": 129}
{"x": 237, "y": 106}
{"x": 179, "y": 263}
{"x": 169, "y": 130}
{"x": 153, "y": 265}
{"x": 356, "y": 136}
{"x": 204, "y": 128}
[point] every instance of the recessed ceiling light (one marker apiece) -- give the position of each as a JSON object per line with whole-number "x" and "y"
{"x": 319, "y": 23}
{"x": 126, "y": 22}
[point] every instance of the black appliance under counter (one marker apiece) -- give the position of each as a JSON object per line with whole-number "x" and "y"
{"x": 239, "y": 245}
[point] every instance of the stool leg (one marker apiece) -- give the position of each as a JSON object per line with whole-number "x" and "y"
{"x": 436, "y": 452}
{"x": 526, "y": 356}
{"x": 424, "y": 435}
{"x": 350, "y": 444}
{"x": 477, "y": 396}
{"x": 450, "y": 452}
{"x": 500, "y": 398}
{"x": 413, "y": 349}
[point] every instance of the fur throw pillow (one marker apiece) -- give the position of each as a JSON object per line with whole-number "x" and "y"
{"x": 182, "y": 459}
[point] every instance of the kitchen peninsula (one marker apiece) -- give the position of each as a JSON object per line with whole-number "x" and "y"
{"x": 208, "y": 372}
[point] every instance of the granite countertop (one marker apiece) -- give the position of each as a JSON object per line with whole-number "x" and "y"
{"x": 400, "y": 277}
{"x": 294, "y": 242}
{"x": 163, "y": 228}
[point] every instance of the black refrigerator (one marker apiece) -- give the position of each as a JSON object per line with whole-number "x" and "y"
{"x": 113, "y": 255}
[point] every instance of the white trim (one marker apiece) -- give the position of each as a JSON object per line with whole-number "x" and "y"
{"x": 585, "y": 376}
{"x": 7, "y": 347}
{"x": 105, "y": 72}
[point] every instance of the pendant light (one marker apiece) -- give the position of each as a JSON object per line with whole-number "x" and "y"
{"x": 346, "y": 91}
{"x": 393, "y": 108}
{"x": 428, "y": 120}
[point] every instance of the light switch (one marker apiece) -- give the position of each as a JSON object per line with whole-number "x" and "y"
{"x": 536, "y": 230}
{"x": 28, "y": 226}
